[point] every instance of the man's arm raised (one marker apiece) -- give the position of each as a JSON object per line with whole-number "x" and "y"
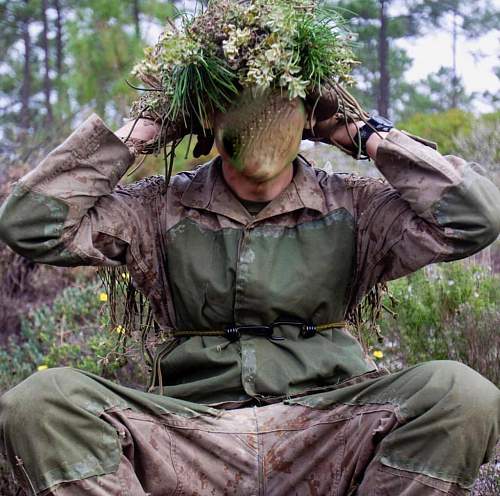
{"x": 433, "y": 208}
{"x": 67, "y": 212}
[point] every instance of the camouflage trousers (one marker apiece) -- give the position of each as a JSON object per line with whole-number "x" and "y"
{"x": 420, "y": 432}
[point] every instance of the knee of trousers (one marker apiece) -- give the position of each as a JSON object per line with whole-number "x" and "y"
{"x": 463, "y": 388}
{"x": 51, "y": 424}
{"x": 450, "y": 422}
{"x": 460, "y": 396}
{"x": 25, "y": 408}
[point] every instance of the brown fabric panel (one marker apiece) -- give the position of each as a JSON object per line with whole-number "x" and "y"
{"x": 272, "y": 450}
{"x": 86, "y": 166}
{"x": 393, "y": 240}
{"x": 307, "y": 451}
{"x": 418, "y": 172}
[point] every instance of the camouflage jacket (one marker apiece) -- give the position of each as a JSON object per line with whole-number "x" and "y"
{"x": 204, "y": 262}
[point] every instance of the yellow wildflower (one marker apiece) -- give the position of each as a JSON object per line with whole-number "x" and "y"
{"x": 103, "y": 297}
{"x": 378, "y": 354}
{"x": 119, "y": 329}
{"x": 42, "y": 367}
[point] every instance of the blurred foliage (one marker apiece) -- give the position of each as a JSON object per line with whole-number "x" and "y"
{"x": 461, "y": 133}
{"x": 432, "y": 94}
{"x": 482, "y": 145}
{"x": 441, "y": 127}
{"x": 72, "y": 331}
{"x": 407, "y": 21}
{"x": 364, "y": 18}
{"x": 155, "y": 164}
{"x": 51, "y": 80}
{"x": 447, "y": 311}
{"x": 104, "y": 52}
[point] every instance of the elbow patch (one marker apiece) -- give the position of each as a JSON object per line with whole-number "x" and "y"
{"x": 469, "y": 212}
{"x": 32, "y": 225}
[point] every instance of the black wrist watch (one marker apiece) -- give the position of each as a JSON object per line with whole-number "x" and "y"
{"x": 374, "y": 123}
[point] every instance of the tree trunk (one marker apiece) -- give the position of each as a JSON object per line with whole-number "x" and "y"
{"x": 136, "y": 11}
{"x": 62, "y": 96}
{"x": 26, "y": 84}
{"x": 59, "y": 40}
{"x": 47, "y": 84}
{"x": 383, "y": 58}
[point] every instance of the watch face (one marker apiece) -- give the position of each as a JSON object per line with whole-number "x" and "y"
{"x": 381, "y": 123}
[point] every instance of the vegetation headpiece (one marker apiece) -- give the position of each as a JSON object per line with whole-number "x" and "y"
{"x": 201, "y": 64}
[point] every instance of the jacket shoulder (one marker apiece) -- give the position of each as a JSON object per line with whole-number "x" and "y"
{"x": 347, "y": 181}
{"x": 154, "y": 186}
{"x": 148, "y": 187}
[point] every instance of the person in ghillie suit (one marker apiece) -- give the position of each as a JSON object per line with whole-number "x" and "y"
{"x": 252, "y": 263}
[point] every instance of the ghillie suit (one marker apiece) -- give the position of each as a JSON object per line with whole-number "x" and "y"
{"x": 258, "y": 386}
{"x": 231, "y": 53}
{"x": 199, "y": 69}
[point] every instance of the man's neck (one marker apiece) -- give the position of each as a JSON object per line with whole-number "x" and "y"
{"x": 251, "y": 190}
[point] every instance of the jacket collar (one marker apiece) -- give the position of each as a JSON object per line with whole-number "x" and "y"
{"x": 208, "y": 191}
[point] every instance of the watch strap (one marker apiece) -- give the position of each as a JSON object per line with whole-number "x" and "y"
{"x": 374, "y": 124}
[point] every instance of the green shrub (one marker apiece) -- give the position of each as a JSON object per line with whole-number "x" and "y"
{"x": 73, "y": 331}
{"x": 447, "y": 311}
{"x": 441, "y": 127}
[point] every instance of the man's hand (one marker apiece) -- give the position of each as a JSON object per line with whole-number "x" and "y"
{"x": 336, "y": 124}
{"x": 343, "y": 135}
{"x": 137, "y": 133}
{"x": 144, "y": 134}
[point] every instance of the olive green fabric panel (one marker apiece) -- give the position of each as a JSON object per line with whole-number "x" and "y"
{"x": 72, "y": 430}
{"x": 32, "y": 224}
{"x": 302, "y": 271}
{"x": 431, "y": 407}
{"x": 212, "y": 370}
{"x": 255, "y": 276}
{"x": 201, "y": 264}
{"x": 205, "y": 370}
{"x": 262, "y": 267}
{"x": 470, "y": 211}
{"x": 296, "y": 364}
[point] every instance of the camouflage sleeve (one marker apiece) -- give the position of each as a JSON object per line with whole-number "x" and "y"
{"x": 431, "y": 209}
{"x": 67, "y": 212}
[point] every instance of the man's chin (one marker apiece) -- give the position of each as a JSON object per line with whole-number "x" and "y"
{"x": 263, "y": 175}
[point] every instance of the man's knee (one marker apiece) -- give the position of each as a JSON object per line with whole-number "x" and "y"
{"x": 460, "y": 401}
{"x": 450, "y": 421}
{"x": 24, "y": 407}
{"x": 464, "y": 388}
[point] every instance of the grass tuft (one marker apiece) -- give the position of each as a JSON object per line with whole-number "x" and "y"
{"x": 200, "y": 67}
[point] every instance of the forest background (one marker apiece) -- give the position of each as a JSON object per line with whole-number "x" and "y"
{"x": 62, "y": 59}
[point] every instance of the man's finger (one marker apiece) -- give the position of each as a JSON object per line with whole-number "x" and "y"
{"x": 204, "y": 145}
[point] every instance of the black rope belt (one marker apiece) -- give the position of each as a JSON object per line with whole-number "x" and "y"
{"x": 233, "y": 332}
